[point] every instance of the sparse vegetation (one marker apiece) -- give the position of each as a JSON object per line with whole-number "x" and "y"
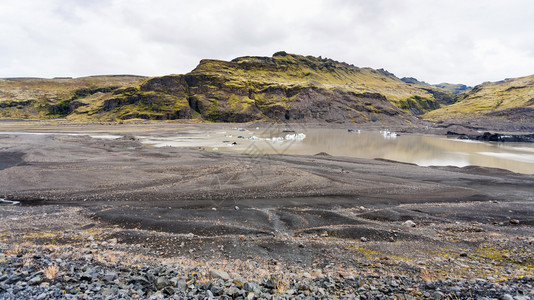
{"x": 37, "y": 98}
{"x": 241, "y": 90}
{"x": 51, "y": 272}
{"x": 490, "y": 98}
{"x": 260, "y": 88}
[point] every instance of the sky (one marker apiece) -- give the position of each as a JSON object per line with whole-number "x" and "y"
{"x": 455, "y": 41}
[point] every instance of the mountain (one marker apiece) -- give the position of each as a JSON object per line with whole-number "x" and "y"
{"x": 449, "y": 87}
{"x": 509, "y": 99}
{"x": 284, "y": 87}
{"x": 38, "y": 98}
{"x": 453, "y": 88}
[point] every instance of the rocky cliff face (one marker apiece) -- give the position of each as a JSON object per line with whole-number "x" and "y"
{"x": 221, "y": 100}
{"x": 284, "y": 87}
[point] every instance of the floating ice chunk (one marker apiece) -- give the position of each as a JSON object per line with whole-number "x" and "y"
{"x": 5, "y": 201}
{"x": 388, "y": 134}
{"x": 295, "y": 137}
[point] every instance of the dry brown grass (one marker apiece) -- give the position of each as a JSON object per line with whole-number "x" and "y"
{"x": 27, "y": 262}
{"x": 108, "y": 257}
{"x": 14, "y": 250}
{"x": 51, "y": 272}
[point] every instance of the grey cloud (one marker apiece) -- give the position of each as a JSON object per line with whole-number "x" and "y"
{"x": 436, "y": 41}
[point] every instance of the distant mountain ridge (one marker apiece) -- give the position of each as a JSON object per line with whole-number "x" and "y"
{"x": 284, "y": 87}
{"x": 450, "y": 87}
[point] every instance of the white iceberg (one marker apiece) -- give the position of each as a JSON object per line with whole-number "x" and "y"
{"x": 295, "y": 137}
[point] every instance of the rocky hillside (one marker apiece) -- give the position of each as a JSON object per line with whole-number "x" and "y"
{"x": 510, "y": 99}
{"x": 284, "y": 87}
{"x": 36, "y": 98}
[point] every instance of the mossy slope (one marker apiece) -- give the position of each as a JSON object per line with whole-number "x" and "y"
{"x": 278, "y": 88}
{"x": 511, "y": 99}
{"x": 37, "y": 98}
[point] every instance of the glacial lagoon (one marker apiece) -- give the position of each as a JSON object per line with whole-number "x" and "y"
{"x": 423, "y": 150}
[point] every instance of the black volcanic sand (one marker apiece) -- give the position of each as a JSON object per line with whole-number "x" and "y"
{"x": 10, "y": 159}
{"x": 314, "y": 210}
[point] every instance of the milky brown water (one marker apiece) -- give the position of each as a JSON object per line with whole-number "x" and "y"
{"x": 423, "y": 150}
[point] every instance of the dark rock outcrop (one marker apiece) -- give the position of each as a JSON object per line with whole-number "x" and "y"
{"x": 498, "y": 137}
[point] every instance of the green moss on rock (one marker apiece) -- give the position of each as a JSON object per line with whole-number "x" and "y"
{"x": 419, "y": 105}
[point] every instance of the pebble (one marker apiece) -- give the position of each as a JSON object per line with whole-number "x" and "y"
{"x": 409, "y": 223}
{"x": 507, "y": 297}
{"x": 35, "y": 280}
{"x": 219, "y": 274}
{"x": 110, "y": 276}
{"x": 161, "y": 282}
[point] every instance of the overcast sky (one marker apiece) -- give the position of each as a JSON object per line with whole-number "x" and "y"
{"x": 433, "y": 40}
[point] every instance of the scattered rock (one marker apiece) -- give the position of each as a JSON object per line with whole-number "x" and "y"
{"x": 128, "y": 138}
{"x": 215, "y": 274}
{"x": 181, "y": 284}
{"x": 110, "y": 276}
{"x": 409, "y": 223}
{"x": 81, "y": 279}
{"x": 498, "y": 137}
{"x": 437, "y": 295}
{"x": 168, "y": 291}
{"x": 507, "y": 297}
{"x": 161, "y": 282}
{"x": 35, "y": 280}
{"x": 86, "y": 277}
{"x": 138, "y": 280}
